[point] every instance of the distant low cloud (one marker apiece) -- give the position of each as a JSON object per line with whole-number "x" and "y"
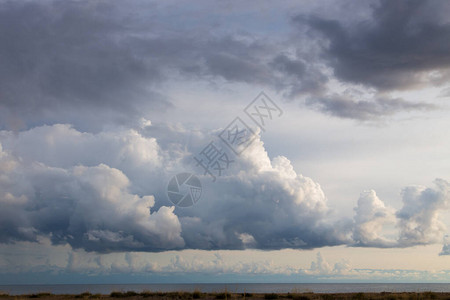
{"x": 186, "y": 264}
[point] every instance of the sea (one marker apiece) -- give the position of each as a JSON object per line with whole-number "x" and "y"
{"x": 231, "y": 287}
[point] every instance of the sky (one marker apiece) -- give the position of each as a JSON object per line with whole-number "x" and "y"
{"x": 327, "y": 120}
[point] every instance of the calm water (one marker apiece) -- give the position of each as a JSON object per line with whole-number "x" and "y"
{"x": 238, "y": 287}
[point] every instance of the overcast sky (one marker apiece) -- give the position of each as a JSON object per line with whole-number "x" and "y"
{"x": 345, "y": 176}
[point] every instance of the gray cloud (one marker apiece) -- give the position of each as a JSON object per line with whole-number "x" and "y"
{"x": 393, "y": 50}
{"x": 344, "y": 106}
{"x": 298, "y": 76}
{"x": 60, "y": 57}
{"x": 446, "y": 246}
{"x": 93, "y": 64}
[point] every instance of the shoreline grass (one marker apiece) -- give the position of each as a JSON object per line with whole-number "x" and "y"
{"x": 180, "y": 295}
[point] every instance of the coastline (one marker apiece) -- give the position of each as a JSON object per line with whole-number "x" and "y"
{"x": 180, "y": 295}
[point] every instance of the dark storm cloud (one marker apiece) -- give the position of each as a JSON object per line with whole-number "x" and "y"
{"x": 298, "y": 76}
{"x": 394, "y": 49}
{"x": 343, "y": 106}
{"x": 99, "y": 62}
{"x": 68, "y": 56}
{"x": 93, "y": 63}
{"x": 72, "y": 61}
{"x": 78, "y": 61}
